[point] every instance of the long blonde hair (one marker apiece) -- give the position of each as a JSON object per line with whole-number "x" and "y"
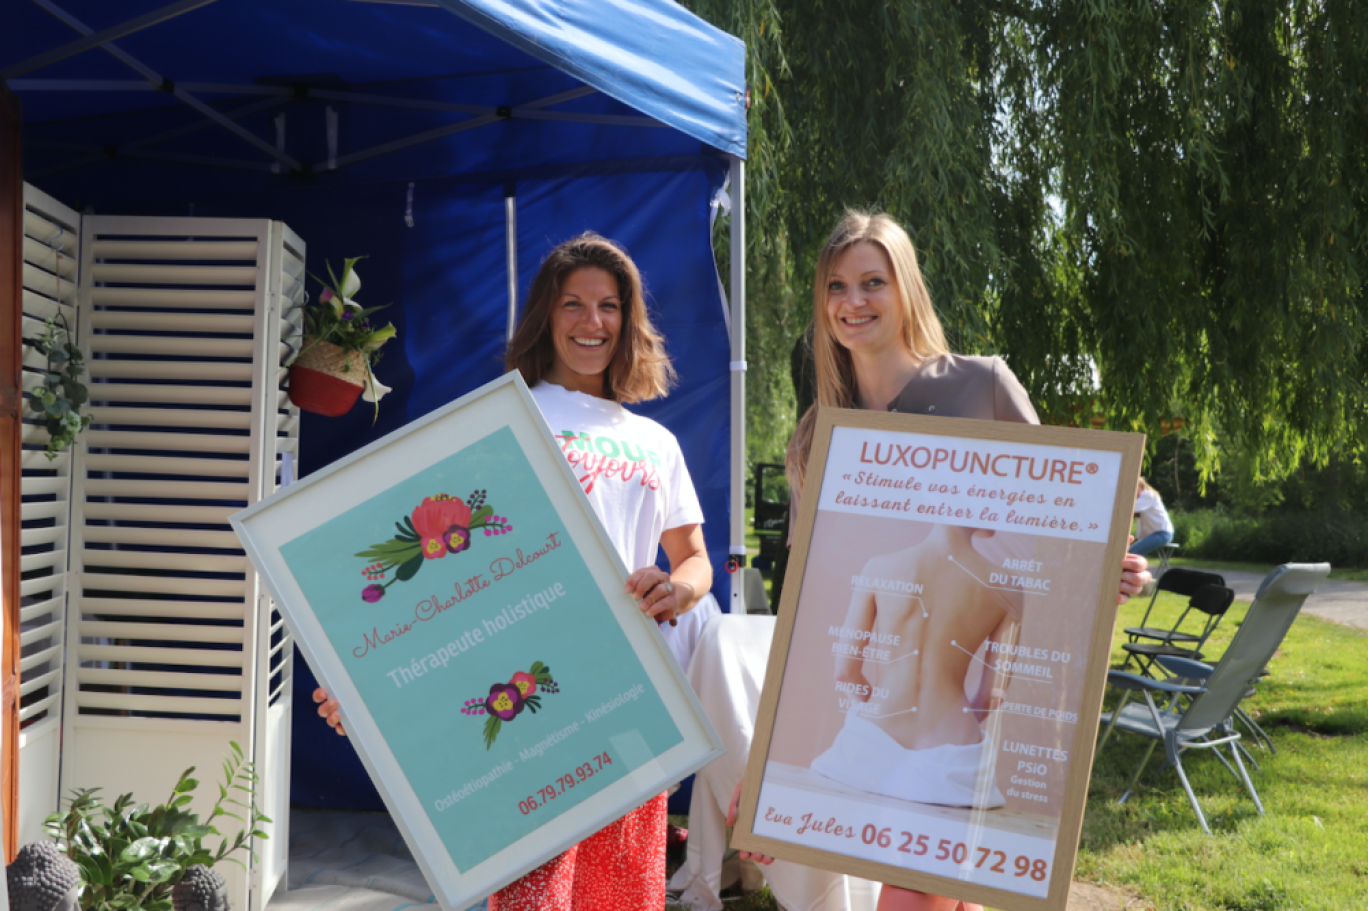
{"x": 922, "y": 330}
{"x": 640, "y": 369}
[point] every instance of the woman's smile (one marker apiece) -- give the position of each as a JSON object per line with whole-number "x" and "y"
{"x": 586, "y": 322}
{"x": 862, "y": 300}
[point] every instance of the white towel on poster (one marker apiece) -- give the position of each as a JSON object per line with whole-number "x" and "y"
{"x": 865, "y": 756}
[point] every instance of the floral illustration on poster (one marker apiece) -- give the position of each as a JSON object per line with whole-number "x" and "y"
{"x": 438, "y": 526}
{"x": 507, "y": 700}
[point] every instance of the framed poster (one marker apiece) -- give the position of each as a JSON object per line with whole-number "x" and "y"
{"x": 932, "y": 695}
{"x": 452, "y": 586}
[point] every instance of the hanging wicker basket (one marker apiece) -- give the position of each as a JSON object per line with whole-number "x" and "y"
{"x": 327, "y": 380}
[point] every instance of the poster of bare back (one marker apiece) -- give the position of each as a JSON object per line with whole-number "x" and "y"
{"x": 932, "y": 696}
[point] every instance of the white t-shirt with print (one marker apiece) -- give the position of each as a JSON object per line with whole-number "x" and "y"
{"x": 1153, "y": 516}
{"x": 630, "y": 467}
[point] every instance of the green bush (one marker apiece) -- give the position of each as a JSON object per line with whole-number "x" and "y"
{"x": 1340, "y": 539}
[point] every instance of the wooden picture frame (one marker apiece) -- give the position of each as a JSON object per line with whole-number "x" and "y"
{"x": 506, "y": 695}
{"x": 937, "y": 749}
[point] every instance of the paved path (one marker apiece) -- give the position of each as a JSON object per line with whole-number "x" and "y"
{"x": 1340, "y": 602}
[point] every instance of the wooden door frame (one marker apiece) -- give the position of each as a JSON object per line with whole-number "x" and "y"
{"x": 11, "y": 434}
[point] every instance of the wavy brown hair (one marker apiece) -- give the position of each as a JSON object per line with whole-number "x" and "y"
{"x": 922, "y": 330}
{"x": 640, "y": 369}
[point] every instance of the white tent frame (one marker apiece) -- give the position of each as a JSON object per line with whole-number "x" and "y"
{"x": 479, "y": 115}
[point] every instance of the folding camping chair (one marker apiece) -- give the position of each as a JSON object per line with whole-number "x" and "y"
{"x": 1203, "y": 721}
{"x": 1195, "y": 672}
{"x": 1165, "y": 554}
{"x": 1212, "y": 601}
{"x": 1179, "y": 581}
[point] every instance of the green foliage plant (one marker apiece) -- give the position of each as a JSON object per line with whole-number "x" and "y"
{"x": 1340, "y": 539}
{"x": 60, "y": 395}
{"x": 131, "y": 857}
{"x": 1172, "y": 193}
{"x": 337, "y": 319}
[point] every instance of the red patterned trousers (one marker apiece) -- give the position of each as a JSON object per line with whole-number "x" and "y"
{"x": 621, "y": 867}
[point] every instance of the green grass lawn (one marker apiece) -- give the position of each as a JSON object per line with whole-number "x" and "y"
{"x": 1343, "y": 575}
{"x": 1309, "y": 853}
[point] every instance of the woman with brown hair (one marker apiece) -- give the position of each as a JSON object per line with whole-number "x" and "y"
{"x": 586, "y": 345}
{"x": 879, "y": 345}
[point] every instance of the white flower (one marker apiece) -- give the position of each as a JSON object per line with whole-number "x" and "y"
{"x": 351, "y": 286}
{"x": 375, "y": 390}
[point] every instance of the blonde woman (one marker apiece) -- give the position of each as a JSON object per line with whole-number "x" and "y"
{"x": 1154, "y": 527}
{"x": 879, "y": 345}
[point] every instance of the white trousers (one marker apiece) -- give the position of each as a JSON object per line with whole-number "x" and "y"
{"x": 727, "y": 671}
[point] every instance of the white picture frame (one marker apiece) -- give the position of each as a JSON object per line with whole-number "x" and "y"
{"x": 618, "y": 721}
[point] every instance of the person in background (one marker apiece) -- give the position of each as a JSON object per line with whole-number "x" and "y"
{"x": 586, "y": 345}
{"x": 1154, "y": 528}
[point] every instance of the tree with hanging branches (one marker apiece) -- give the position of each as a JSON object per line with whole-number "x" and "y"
{"x": 1171, "y": 194}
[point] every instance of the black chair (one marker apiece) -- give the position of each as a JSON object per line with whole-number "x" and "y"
{"x": 771, "y": 526}
{"x": 1209, "y": 601}
{"x": 1179, "y": 581}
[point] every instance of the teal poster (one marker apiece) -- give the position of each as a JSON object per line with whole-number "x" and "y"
{"x": 482, "y": 647}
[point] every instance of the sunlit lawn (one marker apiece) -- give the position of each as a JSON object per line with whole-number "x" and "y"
{"x": 1310, "y": 851}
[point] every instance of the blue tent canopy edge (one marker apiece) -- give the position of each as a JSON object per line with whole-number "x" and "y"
{"x": 660, "y": 59}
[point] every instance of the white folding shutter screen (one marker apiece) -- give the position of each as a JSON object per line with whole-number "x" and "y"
{"x": 51, "y": 258}
{"x": 275, "y": 650}
{"x": 183, "y": 343}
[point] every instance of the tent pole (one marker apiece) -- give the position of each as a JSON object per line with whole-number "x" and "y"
{"x": 737, "y": 550}
{"x": 511, "y": 247}
{"x": 11, "y": 456}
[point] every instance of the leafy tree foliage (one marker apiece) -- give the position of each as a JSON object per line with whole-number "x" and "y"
{"x": 1174, "y": 192}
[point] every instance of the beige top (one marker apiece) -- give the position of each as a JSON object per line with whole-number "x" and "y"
{"x": 955, "y": 386}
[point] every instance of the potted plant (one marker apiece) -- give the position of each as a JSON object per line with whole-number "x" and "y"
{"x": 336, "y": 361}
{"x": 125, "y": 857}
{"x": 60, "y": 395}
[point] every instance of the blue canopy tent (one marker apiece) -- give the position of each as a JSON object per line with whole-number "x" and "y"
{"x": 453, "y": 142}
